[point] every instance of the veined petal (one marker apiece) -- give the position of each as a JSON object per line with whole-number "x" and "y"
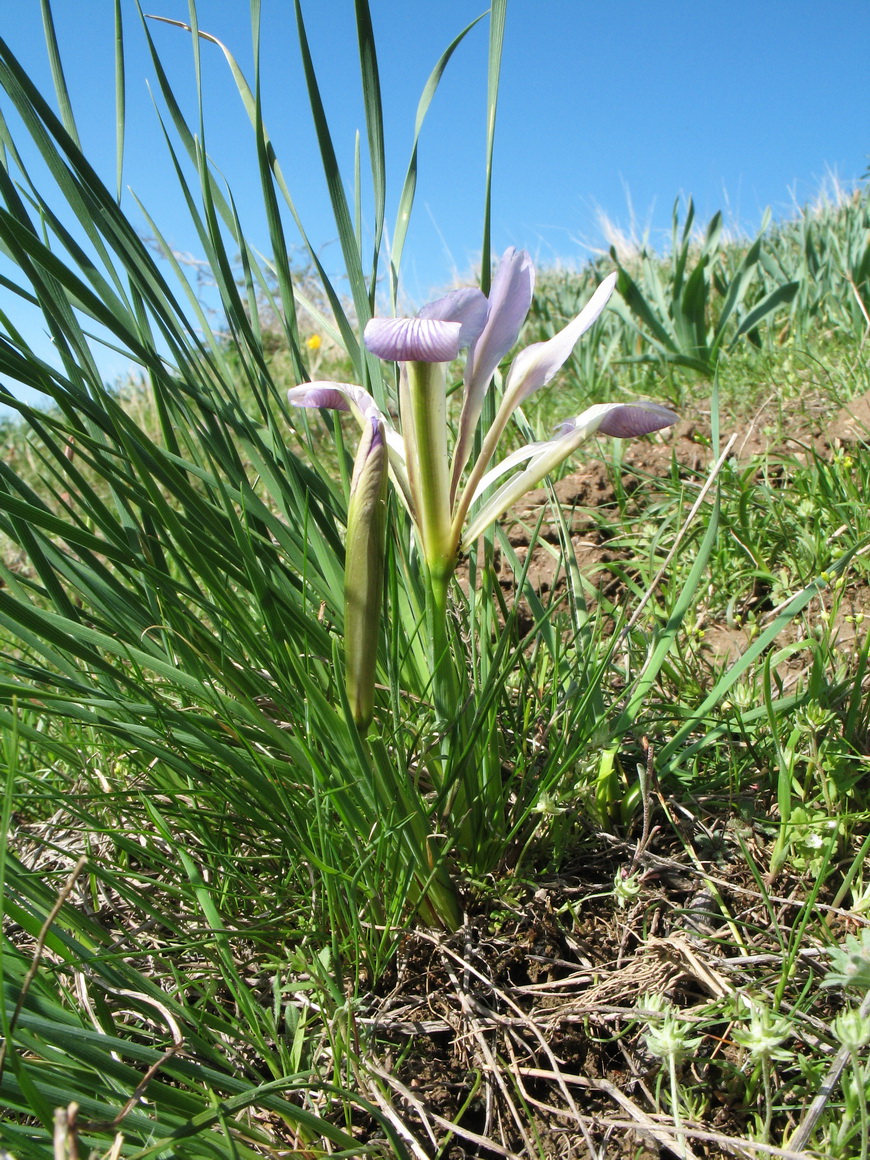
{"x": 505, "y": 465}
{"x": 620, "y": 419}
{"x": 335, "y": 397}
{"x": 349, "y": 397}
{"x": 509, "y": 300}
{"x": 413, "y": 339}
{"x": 369, "y": 451}
{"x": 550, "y": 454}
{"x": 531, "y": 369}
{"x": 536, "y": 365}
{"x": 629, "y": 420}
{"x": 625, "y": 421}
{"x": 467, "y": 306}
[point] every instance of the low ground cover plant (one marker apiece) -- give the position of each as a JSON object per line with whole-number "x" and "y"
{"x": 515, "y": 807}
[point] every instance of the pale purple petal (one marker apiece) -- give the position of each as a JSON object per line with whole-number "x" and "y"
{"x": 334, "y": 397}
{"x": 509, "y": 300}
{"x": 547, "y": 456}
{"x": 510, "y": 461}
{"x": 629, "y": 420}
{"x": 330, "y": 398}
{"x": 536, "y": 365}
{"x": 377, "y": 432}
{"x": 467, "y": 306}
{"x": 531, "y": 369}
{"x": 350, "y": 397}
{"x": 413, "y": 339}
{"x": 371, "y": 442}
{"x": 620, "y": 419}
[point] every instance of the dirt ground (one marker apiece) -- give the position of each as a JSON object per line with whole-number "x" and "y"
{"x": 521, "y": 1031}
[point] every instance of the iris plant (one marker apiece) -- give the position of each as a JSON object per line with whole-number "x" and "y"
{"x": 449, "y": 505}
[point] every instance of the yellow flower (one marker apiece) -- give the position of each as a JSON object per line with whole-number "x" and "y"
{"x": 313, "y": 342}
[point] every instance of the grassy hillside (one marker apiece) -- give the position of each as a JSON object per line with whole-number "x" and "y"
{"x": 591, "y": 882}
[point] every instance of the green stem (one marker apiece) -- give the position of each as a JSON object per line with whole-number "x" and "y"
{"x": 768, "y": 1097}
{"x": 680, "y": 1137}
{"x": 450, "y": 716}
{"x": 444, "y": 678}
{"x": 434, "y": 894}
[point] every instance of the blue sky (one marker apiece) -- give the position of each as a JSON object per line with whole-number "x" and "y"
{"x": 603, "y": 107}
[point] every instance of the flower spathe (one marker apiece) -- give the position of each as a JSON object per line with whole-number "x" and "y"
{"x": 364, "y": 570}
{"x": 450, "y": 511}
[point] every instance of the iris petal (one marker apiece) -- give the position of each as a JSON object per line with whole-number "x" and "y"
{"x": 532, "y": 368}
{"x": 413, "y": 339}
{"x": 632, "y": 419}
{"x": 334, "y": 397}
{"x": 623, "y": 420}
{"x": 350, "y": 397}
{"x": 467, "y": 306}
{"x": 509, "y": 300}
{"x": 536, "y": 365}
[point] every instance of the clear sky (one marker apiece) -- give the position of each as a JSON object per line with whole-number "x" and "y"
{"x": 607, "y": 106}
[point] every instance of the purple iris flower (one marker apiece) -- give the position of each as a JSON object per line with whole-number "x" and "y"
{"x": 437, "y": 496}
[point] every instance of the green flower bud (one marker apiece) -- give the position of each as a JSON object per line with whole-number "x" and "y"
{"x": 364, "y": 570}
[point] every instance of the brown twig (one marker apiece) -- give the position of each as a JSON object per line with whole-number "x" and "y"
{"x": 646, "y": 775}
{"x": 442, "y": 1122}
{"x": 177, "y": 1045}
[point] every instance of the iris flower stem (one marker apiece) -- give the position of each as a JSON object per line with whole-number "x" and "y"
{"x": 450, "y": 715}
{"x": 444, "y": 679}
{"x": 427, "y": 401}
{"x": 433, "y": 893}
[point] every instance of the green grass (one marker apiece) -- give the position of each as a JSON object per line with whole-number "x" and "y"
{"x": 290, "y": 938}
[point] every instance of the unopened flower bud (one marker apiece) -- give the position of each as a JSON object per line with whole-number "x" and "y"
{"x": 364, "y": 570}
